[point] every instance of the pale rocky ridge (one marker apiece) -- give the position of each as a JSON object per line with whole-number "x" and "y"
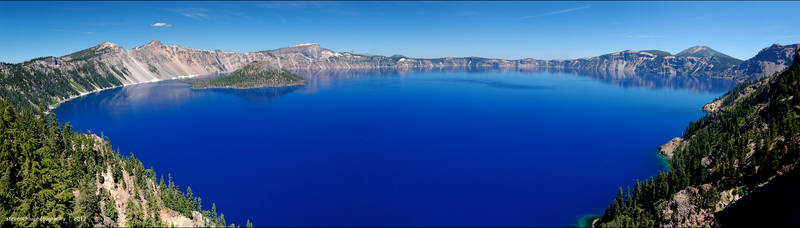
{"x": 156, "y": 61}
{"x": 108, "y": 65}
{"x": 171, "y": 61}
{"x": 767, "y": 62}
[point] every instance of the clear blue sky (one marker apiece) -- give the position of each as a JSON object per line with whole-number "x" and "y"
{"x": 542, "y": 30}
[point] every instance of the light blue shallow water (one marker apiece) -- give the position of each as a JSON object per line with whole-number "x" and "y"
{"x": 415, "y": 149}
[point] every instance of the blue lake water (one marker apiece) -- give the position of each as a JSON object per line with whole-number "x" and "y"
{"x": 402, "y": 149}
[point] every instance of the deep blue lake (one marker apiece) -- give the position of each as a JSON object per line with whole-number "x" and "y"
{"x": 402, "y": 149}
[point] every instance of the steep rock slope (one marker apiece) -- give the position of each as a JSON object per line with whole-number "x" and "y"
{"x": 767, "y": 62}
{"x": 740, "y": 158}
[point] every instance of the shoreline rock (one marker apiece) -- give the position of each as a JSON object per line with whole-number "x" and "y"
{"x": 668, "y": 149}
{"x": 713, "y": 106}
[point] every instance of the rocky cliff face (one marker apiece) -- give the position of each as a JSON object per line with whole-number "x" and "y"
{"x": 52, "y": 80}
{"x": 767, "y": 62}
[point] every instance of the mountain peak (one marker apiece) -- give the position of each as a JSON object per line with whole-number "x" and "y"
{"x": 703, "y": 51}
{"x": 698, "y": 51}
{"x": 97, "y": 50}
{"x": 153, "y": 43}
{"x": 107, "y": 44}
{"x": 718, "y": 59}
{"x": 305, "y": 44}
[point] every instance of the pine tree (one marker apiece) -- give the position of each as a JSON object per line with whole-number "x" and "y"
{"x": 189, "y": 201}
{"x": 214, "y": 213}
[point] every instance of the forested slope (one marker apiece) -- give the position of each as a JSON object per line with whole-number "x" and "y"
{"x": 53, "y": 176}
{"x": 749, "y": 146}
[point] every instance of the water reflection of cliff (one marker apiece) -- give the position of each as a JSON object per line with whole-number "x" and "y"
{"x": 323, "y": 78}
{"x": 177, "y": 92}
{"x": 166, "y": 92}
{"x": 170, "y": 93}
{"x": 631, "y": 80}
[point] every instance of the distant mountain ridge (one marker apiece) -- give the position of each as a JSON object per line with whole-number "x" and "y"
{"x": 715, "y": 57}
{"x": 51, "y": 80}
{"x": 702, "y": 51}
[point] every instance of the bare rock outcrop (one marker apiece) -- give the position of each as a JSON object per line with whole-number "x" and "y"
{"x": 668, "y": 149}
{"x": 679, "y": 211}
{"x": 713, "y": 106}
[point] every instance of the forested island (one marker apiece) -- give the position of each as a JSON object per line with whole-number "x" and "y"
{"x": 253, "y": 75}
{"x": 737, "y": 166}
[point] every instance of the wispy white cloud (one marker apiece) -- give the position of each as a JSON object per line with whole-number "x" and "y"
{"x": 295, "y": 4}
{"x": 161, "y": 24}
{"x": 631, "y": 35}
{"x": 557, "y": 12}
{"x": 202, "y": 14}
{"x": 193, "y": 13}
